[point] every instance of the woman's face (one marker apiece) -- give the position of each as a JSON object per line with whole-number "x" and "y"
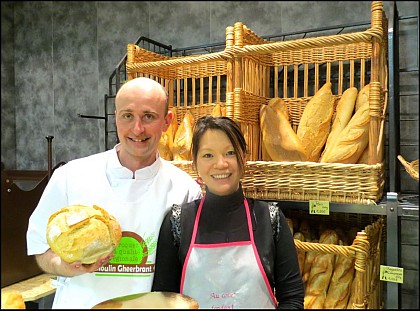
{"x": 217, "y": 163}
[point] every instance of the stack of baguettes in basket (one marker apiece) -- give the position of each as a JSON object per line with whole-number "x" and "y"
{"x": 322, "y": 135}
{"x": 328, "y": 278}
{"x": 329, "y": 268}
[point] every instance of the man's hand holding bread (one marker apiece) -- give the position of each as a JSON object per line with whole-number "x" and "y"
{"x": 82, "y": 239}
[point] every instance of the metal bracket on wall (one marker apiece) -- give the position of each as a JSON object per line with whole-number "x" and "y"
{"x": 90, "y": 117}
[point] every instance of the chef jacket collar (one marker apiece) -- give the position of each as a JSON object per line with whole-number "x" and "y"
{"x": 116, "y": 170}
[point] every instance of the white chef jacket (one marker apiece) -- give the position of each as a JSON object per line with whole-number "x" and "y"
{"x": 138, "y": 204}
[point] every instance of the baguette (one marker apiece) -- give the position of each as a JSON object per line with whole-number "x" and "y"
{"x": 217, "y": 111}
{"x": 309, "y": 258}
{"x": 344, "y": 112}
{"x": 305, "y": 228}
{"x": 314, "y": 124}
{"x": 174, "y": 121}
{"x": 364, "y": 157}
{"x": 340, "y": 286}
{"x": 165, "y": 145}
{"x": 279, "y": 140}
{"x": 264, "y": 154}
{"x": 363, "y": 97}
{"x": 352, "y": 141}
{"x": 352, "y": 298}
{"x": 300, "y": 253}
{"x": 183, "y": 139}
{"x": 320, "y": 275}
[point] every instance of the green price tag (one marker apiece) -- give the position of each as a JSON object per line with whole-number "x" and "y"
{"x": 319, "y": 207}
{"x": 391, "y": 274}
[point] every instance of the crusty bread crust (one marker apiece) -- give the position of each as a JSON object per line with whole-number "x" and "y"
{"x": 12, "y": 299}
{"x": 344, "y": 112}
{"x": 183, "y": 138}
{"x": 83, "y": 233}
{"x": 315, "y": 122}
{"x": 279, "y": 140}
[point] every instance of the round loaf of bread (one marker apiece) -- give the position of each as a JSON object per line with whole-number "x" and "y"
{"x": 83, "y": 233}
{"x": 12, "y": 299}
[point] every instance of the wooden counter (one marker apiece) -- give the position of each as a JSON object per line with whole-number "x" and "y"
{"x": 34, "y": 288}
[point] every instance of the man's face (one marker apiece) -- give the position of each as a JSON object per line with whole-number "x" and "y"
{"x": 141, "y": 118}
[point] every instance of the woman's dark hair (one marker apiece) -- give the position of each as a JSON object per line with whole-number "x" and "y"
{"x": 227, "y": 126}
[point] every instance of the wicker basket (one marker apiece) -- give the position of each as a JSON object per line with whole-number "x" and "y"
{"x": 197, "y": 83}
{"x": 304, "y": 181}
{"x": 294, "y": 70}
{"x": 365, "y": 250}
{"x": 412, "y": 167}
{"x": 194, "y": 83}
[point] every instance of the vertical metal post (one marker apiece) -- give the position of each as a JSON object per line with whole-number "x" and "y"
{"x": 394, "y": 101}
{"x": 49, "y": 139}
{"x": 392, "y": 249}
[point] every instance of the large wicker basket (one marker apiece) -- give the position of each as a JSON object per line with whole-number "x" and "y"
{"x": 195, "y": 83}
{"x": 294, "y": 70}
{"x": 251, "y": 71}
{"x": 366, "y": 250}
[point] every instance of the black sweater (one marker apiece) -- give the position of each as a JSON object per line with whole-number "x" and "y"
{"x": 223, "y": 219}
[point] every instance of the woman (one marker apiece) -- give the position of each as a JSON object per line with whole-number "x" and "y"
{"x": 225, "y": 250}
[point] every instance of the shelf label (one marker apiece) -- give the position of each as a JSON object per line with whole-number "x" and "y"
{"x": 319, "y": 207}
{"x": 391, "y": 274}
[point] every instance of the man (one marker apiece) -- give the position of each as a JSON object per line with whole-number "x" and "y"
{"x": 132, "y": 183}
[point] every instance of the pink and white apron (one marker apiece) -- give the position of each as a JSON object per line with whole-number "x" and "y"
{"x": 226, "y": 275}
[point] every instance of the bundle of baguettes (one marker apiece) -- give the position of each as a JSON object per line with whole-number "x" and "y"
{"x": 281, "y": 143}
{"x": 322, "y": 135}
{"x": 348, "y": 145}
{"x": 328, "y": 277}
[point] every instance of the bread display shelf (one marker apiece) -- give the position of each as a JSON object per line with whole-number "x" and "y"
{"x": 251, "y": 71}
